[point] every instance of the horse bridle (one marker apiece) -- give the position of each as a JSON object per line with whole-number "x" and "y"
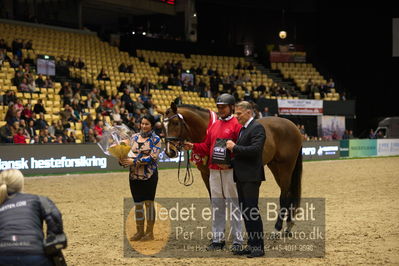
{"x": 178, "y": 139}
{"x": 188, "y": 179}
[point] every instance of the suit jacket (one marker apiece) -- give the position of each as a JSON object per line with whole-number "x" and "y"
{"x": 247, "y": 162}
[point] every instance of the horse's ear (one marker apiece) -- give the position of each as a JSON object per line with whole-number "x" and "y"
{"x": 173, "y": 107}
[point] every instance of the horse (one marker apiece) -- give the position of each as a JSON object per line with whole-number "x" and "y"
{"x": 282, "y": 151}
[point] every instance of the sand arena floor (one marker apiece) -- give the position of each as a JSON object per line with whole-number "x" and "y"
{"x": 362, "y": 213}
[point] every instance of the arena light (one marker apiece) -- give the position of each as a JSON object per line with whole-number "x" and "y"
{"x": 133, "y": 32}
{"x": 282, "y": 34}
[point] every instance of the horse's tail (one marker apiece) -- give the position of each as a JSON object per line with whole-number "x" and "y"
{"x": 296, "y": 178}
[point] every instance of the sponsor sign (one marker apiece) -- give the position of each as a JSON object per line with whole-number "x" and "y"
{"x": 362, "y": 147}
{"x": 300, "y": 107}
{"x": 66, "y": 158}
{"x": 387, "y": 147}
{"x": 318, "y": 150}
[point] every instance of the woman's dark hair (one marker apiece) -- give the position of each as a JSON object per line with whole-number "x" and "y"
{"x": 150, "y": 118}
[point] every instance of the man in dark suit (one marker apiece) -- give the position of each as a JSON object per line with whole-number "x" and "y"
{"x": 248, "y": 175}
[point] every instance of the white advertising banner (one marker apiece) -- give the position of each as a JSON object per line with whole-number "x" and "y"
{"x": 300, "y": 107}
{"x": 387, "y": 147}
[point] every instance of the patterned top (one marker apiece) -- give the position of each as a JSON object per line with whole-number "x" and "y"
{"x": 145, "y": 155}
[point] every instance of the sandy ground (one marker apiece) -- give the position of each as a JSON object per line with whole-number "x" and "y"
{"x": 362, "y": 213}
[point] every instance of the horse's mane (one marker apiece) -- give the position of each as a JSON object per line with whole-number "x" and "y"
{"x": 192, "y": 106}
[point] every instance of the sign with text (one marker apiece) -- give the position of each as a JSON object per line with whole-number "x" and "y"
{"x": 183, "y": 229}
{"x": 36, "y": 159}
{"x": 320, "y": 150}
{"x": 387, "y": 147}
{"x": 300, "y": 107}
{"x": 362, "y": 147}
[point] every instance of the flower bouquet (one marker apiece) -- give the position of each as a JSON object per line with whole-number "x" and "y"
{"x": 116, "y": 141}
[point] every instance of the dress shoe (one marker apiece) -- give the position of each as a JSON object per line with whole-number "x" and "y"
{"x": 256, "y": 253}
{"x": 245, "y": 251}
{"x": 216, "y": 246}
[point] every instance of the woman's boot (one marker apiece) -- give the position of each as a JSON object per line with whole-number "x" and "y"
{"x": 139, "y": 213}
{"x": 150, "y": 213}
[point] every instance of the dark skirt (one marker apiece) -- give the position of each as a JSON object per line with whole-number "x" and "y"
{"x": 143, "y": 190}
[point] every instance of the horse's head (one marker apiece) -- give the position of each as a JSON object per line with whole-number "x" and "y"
{"x": 175, "y": 130}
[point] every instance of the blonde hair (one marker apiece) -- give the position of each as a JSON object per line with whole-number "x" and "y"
{"x": 11, "y": 181}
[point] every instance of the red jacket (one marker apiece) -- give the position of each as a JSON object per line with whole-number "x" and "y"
{"x": 220, "y": 129}
{"x": 19, "y": 139}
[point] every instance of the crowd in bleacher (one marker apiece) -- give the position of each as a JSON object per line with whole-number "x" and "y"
{"x": 77, "y": 107}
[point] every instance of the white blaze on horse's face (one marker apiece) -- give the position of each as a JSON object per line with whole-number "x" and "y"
{"x": 165, "y": 124}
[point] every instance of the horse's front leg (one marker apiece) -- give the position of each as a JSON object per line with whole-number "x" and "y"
{"x": 205, "y": 176}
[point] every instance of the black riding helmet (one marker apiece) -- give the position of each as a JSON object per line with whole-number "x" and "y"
{"x": 226, "y": 98}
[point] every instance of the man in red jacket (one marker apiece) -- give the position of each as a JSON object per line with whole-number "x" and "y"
{"x": 222, "y": 185}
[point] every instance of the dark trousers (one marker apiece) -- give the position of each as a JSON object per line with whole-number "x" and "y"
{"x": 248, "y": 196}
{"x": 144, "y": 190}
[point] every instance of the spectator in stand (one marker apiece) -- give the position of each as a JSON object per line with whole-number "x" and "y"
{"x": 103, "y": 75}
{"x": 334, "y": 136}
{"x": 80, "y": 64}
{"x": 128, "y": 102}
{"x": 32, "y": 86}
{"x": 59, "y": 128}
{"x": 40, "y": 81}
{"x": 158, "y": 129}
{"x": 122, "y": 86}
{"x": 90, "y": 137}
{"x": 19, "y": 137}
{"x": 22, "y": 124}
{"x": 23, "y": 86}
{"x": 123, "y": 68}
{"x": 380, "y": 134}
{"x": 39, "y": 107}
{"x": 66, "y": 93}
{"x": 48, "y": 83}
{"x": 17, "y": 46}
{"x": 29, "y": 60}
{"x": 93, "y": 97}
{"x": 266, "y": 112}
{"x": 9, "y": 97}
{"x": 350, "y": 135}
{"x": 98, "y": 129}
{"x": 3, "y": 45}
{"x": 6, "y": 134}
{"x": 116, "y": 115}
{"x": 72, "y": 137}
{"x": 371, "y": 134}
{"x": 31, "y": 129}
{"x": 346, "y": 134}
{"x": 28, "y": 45}
{"x": 41, "y": 123}
{"x": 145, "y": 85}
{"x": 27, "y": 112}
{"x": 68, "y": 115}
{"x": 15, "y": 62}
{"x": 11, "y": 115}
{"x": 330, "y": 84}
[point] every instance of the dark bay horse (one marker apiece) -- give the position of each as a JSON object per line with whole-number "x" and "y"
{"x": 282, "y": 151}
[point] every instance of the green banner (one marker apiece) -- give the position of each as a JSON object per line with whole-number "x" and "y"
{"x": 344, "y": 148}
{"x": 362, "y": 147}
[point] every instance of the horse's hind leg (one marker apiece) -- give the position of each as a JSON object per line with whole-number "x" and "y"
{"x": 282, "y": 173}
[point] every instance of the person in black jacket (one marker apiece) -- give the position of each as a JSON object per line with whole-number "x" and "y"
{"x": 21, "y": 223}
{"x": 248, "y": 175}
